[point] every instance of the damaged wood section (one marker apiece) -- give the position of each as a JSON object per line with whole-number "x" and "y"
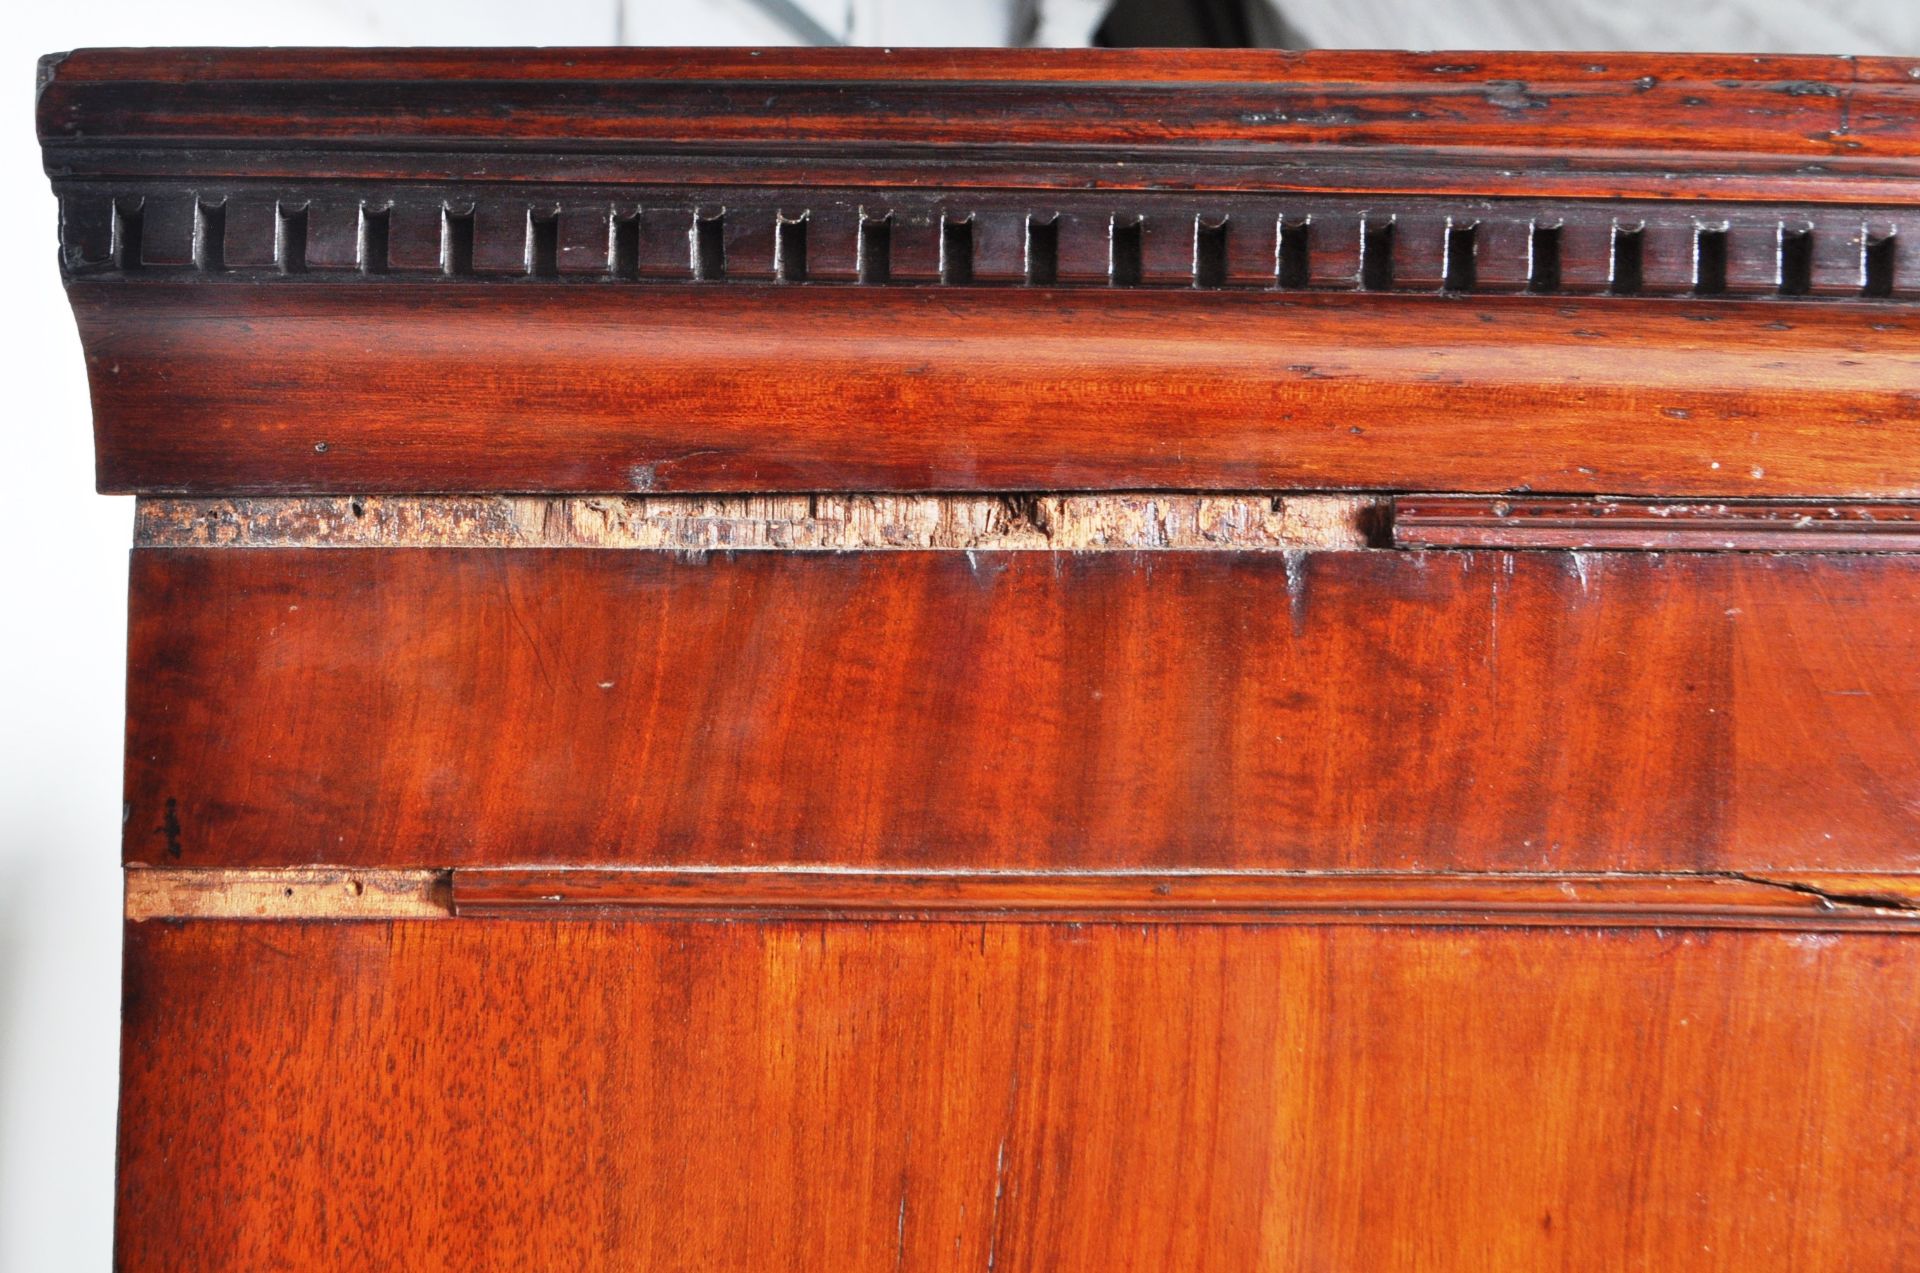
{"x": 1375, "y": 711}
{"x": 286, "y": 893}
{"x": 1118, "y": 522}
{"x": 1484, "y": 521}
{"x": 1011, "y": 819}
{"x": 1854, "y": 903}
{"x": 1079, "y": 523}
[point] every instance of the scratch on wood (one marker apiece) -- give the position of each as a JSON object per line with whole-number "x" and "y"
{"x": 999, "y": 1188}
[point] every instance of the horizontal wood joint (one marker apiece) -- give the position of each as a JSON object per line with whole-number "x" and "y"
{"x": 1486, "y": 521}
{"x": 1880, "y": 903}
{"x": 290, "y": 893}
{"x": 1719, "y": 900}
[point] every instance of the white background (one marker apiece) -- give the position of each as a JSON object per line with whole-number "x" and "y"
{"x": 63, "y": 549}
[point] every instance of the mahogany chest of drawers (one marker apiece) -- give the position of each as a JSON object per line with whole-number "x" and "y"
{"x": 926, "y": 660}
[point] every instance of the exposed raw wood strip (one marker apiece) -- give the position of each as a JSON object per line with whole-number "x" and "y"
{"x": 1481, "y": 521}
{"x": 1080, "y": 523}
{"x": 323, "y": 892}
{"x": 1666, "y": 900}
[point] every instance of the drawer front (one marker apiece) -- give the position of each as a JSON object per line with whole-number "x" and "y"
{"x": 512, "y": 1094}
{"x": 508, "y": 907}
{"x": 1363, "y": 710}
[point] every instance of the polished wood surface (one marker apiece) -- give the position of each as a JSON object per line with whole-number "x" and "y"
{"x": 1383, "y": 710}
{"x": 620, "y": 271}
{"x": 1127, "y": 521}
{"x": 1478, "y": 521}
{"x": 507, "y": 1095}
{"x": 1793, "y": 901}
{"x": 1163, "y": 782}
{"x": 546, "y": 387}
{"x": 1853, "y": 113}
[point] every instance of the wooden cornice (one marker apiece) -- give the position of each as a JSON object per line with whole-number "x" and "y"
{"x": 1471, "y": 124}
{"x": 617, "y": 271}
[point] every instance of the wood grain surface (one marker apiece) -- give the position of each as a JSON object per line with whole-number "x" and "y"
{"x": 545, "y": 387}
{"x": 1615, "y": 106}
{"x": 569, "y": 892}
{"x": 505, "y": 1095}
{"x": 1796, "y": 902}
{"x": 1364, "y": 710}
{"x": 1472, "y": 521}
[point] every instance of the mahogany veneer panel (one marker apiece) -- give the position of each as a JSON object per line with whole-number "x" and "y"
{"x": 431, "y": 387}
{"x": 512, "y": 1095}
{"x": 1368, "y": 710}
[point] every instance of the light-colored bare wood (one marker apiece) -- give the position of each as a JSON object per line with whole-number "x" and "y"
{"x": 322, "y": 892}
{"x": 1488, "y": 899}
{"x": 1078, "y": 523}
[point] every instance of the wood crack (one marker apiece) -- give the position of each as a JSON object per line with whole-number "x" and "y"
{"x": 1718, "y": 899}
{"x": 1891, "y": 892}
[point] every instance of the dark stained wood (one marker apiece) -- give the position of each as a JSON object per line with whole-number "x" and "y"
{"x": 297, "y": 232}
{"x": 1475, "y": 521}
{"x": 1363, "y": 710}
{"x": 390, "y": 387}
{"x": 1582, "y": 111}
{"x": 464, "y": 1094}
{"x": 328, "y": 271}
{"x": 1510, "y": 173}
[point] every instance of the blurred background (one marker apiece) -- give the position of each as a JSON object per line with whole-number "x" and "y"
{"x": 63, "y": 550}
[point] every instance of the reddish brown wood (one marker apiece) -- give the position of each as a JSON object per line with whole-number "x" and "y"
{"x": 1200, "y": 68}
{"x": 1359, "y": 909}
{"x": 1365, "y": 710}
{"x": 1038, "y": 1097}
{"x": 1561, "y": 899}
{"x": 237, "y": 224}
{"x": 1474, "y": 521}
{"x": 1854, "y": 113}
{"x": 546, "y": 387}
